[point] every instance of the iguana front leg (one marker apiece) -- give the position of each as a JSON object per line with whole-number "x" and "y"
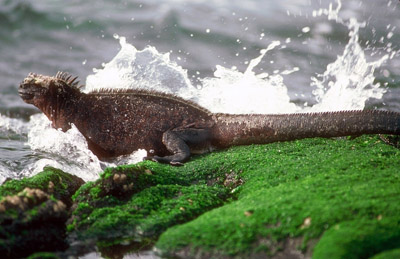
{"x": 177, "y": 142}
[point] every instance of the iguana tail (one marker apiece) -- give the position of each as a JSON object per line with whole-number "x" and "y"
{"x": 259, "y": 129}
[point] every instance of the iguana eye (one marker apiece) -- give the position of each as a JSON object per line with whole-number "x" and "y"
{"x": 38, "y": 81}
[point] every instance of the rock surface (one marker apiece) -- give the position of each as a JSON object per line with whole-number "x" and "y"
{"x": 134, "y": 204}
{"x": 320, "y": 198}
{"x": 33, "y": 213}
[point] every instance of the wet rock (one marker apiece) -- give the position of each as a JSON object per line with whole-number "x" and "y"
{"x": 316, "y": 198}
{"x": 132, "y": 205}
{"x": 33, "y": 212}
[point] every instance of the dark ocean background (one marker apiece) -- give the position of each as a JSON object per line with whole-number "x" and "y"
{"x": 76, "y": 36}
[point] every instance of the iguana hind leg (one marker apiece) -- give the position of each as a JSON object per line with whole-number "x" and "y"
{"x": 177, "y": 142}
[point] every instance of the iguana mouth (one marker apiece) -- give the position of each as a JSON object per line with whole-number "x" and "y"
{"x": 29, "y": 86}
{"x": 25, "y": 94}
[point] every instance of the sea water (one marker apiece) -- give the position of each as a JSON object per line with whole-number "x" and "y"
{"x": 258, "y": 83}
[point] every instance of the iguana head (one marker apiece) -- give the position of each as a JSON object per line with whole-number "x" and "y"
{"x": 40, "y": 90}
{"x": 53, "y": 95}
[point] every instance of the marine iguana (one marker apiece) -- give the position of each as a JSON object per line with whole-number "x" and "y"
{"x": 118, "y": 122}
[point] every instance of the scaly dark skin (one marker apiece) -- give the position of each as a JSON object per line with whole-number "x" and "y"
{"x": 119, "y": 122}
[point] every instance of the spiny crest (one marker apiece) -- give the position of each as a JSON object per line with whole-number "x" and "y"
{"x": 149, "y": 93}
{"x": 68, "y": 79}
{"x": 324, "y": 113}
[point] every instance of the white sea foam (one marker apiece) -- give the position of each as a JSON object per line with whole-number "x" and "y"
{"x": 348, "y": 82}
{"x": 14, "y": 125}
{"x": 5, "y": 173}
{"x": 231, "y": 91}
{"x": 69, "y": 151}
{"x": 139, "y": 69}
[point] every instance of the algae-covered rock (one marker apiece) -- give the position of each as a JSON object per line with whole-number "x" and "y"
{"x": 136, "y": 203}
{"x": 52, "y": 181}
{"x": 43, "y": 255}
{"x": 389, "y": 254}
{"x": 320, "y": 198}
{"x": 335, "y": 198}
{"x": 33, "y": 212}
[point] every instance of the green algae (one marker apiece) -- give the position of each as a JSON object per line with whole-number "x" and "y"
{"x": 293, "y": 194}
{"x": 359, "y": 239}
{"x": 139, "y": 202}
{"x": 390, "y": 254}
{"x": 148, "y": 213}
{"x": 326, "y": 198}
{"x": 43, "y": 255}
{"x": 51, "y": 180}
{"x": 33, "y": 212}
